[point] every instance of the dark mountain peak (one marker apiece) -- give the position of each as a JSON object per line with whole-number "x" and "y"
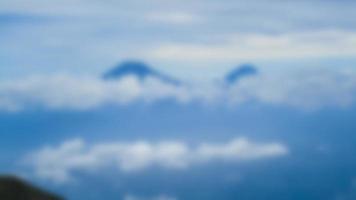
{"x": 138, "y": 69}
{"x": 241, "y": 71}
{"x": 16, "y": 189}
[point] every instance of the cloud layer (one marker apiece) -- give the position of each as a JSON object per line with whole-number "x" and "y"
{"x": 172, "y": 34}
{"x": 233, "y": 47}
{"x": 57, "y": 163}
{"x": 63, "y": 91}
{"x": 308, "y": 89}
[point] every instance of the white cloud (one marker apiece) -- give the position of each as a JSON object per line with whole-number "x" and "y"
{"x": 173, "y": 17}
{"x": 63, "y": 91}
{"x": 260, "y": 46}
{"x": 88, "y": 34}
{"x": 308, "y": 89}
{"x": 58, "y": 163}
{"x": 240, "y": 148}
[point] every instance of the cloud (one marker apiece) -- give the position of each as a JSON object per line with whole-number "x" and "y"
{"x": 307, "y": 89}
{"x": 58, "y": 163}
{"x": 294, "y": 45}
{"x": 88, "y": 34}
{"x": 64, "y": 91}
{"x": 173, "y": 17}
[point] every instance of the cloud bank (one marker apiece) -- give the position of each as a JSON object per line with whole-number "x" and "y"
{"x": 177, "y": 34}
{"x": 308, "y": 89}
{"x": 59, "y": 162}
{"x": 64, "y": 91}
{"x": 296, "y": 45}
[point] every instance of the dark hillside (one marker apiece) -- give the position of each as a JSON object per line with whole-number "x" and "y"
{"x": 12, "y": 188}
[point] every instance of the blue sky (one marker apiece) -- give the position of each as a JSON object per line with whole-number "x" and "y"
{"x": 90, "y": 36}
{"x": 285, "y": 131}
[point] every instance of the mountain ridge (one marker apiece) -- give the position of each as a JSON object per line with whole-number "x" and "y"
{"x": 240, "y": 72}
{"x": 138, "y": 69}
{"x": 14, "y": 188}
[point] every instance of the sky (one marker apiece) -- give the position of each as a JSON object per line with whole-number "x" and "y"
{"x": 179, "y": 37}
{"x": 169, "y": 124}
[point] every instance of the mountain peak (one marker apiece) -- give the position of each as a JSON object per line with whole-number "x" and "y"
{"x": 241, "y": 71}
{"x": 138, "y": 69}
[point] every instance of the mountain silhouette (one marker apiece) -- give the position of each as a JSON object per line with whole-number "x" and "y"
{"x": 13, "y": 188}
{"x": 138, "y": 69}
{"x": 240, "y": 72}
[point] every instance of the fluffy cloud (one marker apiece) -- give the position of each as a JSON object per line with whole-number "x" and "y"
{"x": 58, "y": 163}
{"x": 63, "y": 91}
{"x": 261, "y": 46}
{"x": 308, "y": 89}
{"x": 173, "y": 17}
